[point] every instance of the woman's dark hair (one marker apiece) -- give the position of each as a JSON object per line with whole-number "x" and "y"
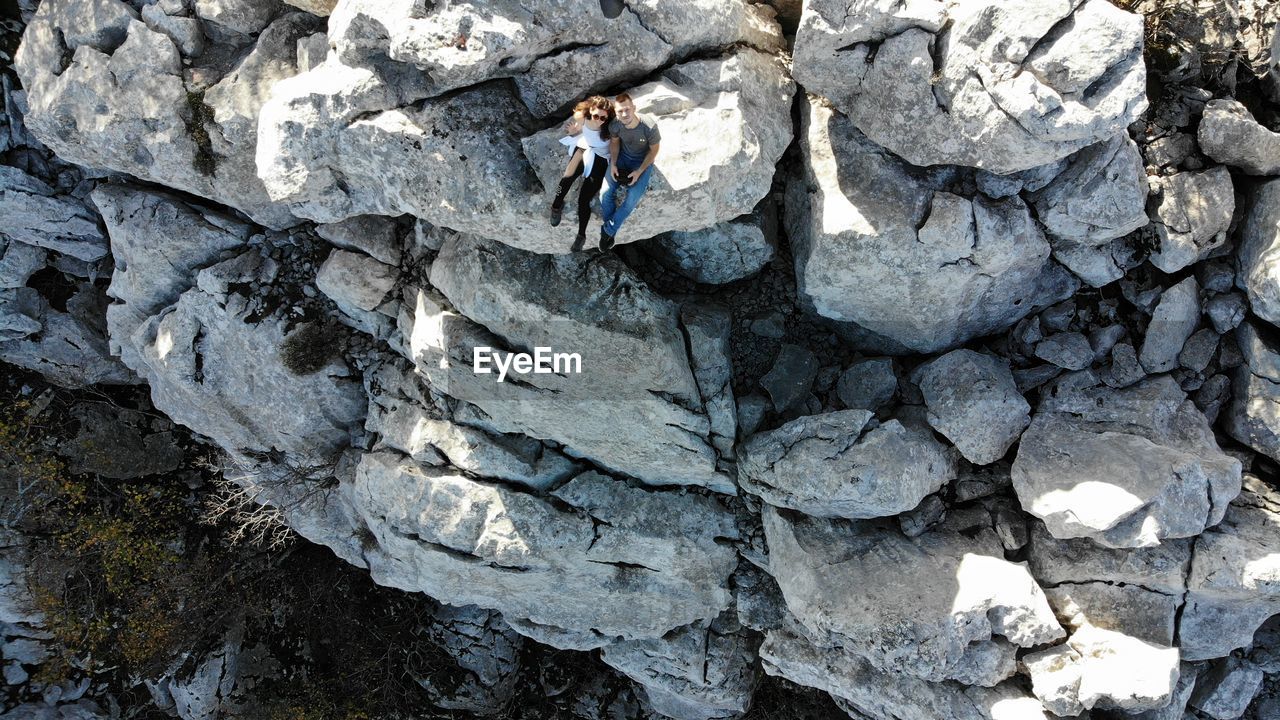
{"x": 596, "y": 102}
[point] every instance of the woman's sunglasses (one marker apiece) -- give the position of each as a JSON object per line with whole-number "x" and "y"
{"x": 599, "y": 116}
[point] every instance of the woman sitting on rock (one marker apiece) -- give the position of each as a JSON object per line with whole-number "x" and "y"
{"x": 587, "y": 137}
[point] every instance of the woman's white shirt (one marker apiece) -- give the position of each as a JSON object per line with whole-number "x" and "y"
{"x": 591, "y": 141}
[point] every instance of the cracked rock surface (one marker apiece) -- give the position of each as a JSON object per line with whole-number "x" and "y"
{"x": 937, "y": 375}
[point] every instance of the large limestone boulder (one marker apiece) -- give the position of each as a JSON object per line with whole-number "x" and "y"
{"x": 632, "y": 403}
{"x": 1002, "y": 85}
{"x": 1104, "y": 670}
{"x": 81, "y": 69}
{"x": 942, "y": 606}
{"x": 340, "y": 141}
{"x": 212, "y": 363}
{"x": 1235, "y": 573}
{"x": 1259, "y": 262}
{"x": 845, "y": 464}
{"x": 1133, "y": 591}
{"x": 556, "y": 52}
{"x": 214, "y": 369}
{"x": 1229, "y": 134}
{"x": 866, "y": 691}
{"x": 882, "y": 245}
{"x": 1123, "y": 467}
{"x": 158, "y": 242}
{"x": 603, "y": 561}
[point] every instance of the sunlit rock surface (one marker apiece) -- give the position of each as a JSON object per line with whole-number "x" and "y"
{"x": 927, "y": 375}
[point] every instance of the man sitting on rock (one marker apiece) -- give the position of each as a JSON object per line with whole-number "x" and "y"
{"x": 633, "y": 147}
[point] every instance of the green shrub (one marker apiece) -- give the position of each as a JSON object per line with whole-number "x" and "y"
{"x": 309, "y": 348}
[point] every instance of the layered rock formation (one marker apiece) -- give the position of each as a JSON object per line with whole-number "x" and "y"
{"x": 984, "y": 426}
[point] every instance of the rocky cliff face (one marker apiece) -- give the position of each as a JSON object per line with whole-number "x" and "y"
{"x": 937, "y": 370}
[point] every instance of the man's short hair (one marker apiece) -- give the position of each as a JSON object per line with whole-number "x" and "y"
{"x": 622, "y": 97}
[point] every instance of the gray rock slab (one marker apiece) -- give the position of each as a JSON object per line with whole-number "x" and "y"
{"x": 608, "y": 560}
{"x": 1160, "y": 569}
{"x": 972, "y": 400}
{"x": 1254, "y": 414}
{"x": 404, "y": 418}
{"x": 161, "y": 130}
{"x": 355, "y": 280}
{"x": 1226, "y": 311}
{"x": 18, "y": 262}
{"x": 845, "y": 464}
{"x": 158, "y": 243}
{"x": 999, "y": 86}
{"x": 31, "y": 212}
{"x": 554, "y": 53}
{"x": 71, "y": 348}
{"x": 634, "y": 407}
{"x": 1173, "y": 321}
{"x": 789, "y": 380}
{"x": 702, "y": 671}
{"x": 1069, "y": 351}
{"x": 372, "y": 235}
{"x": 1100, "y": 196}
{"x": 719, "y": 254}
{"x": 1234, "y": 570}
{"x": 1259, "y": 238}
{"x": 707, "y": 327}
{"x": 1199, "y": 350}
{"x": 225, "y": 378}
{"x": 860, "y": 687}
{"x": 1129, "y": 609}
{"x": 1225, "y": 691}
{"x": 879, "y": 245}
{"x": 954, "y": 609}
{"x": 1124, "y": 468}
{"x": 1118, "y": 672}
{"x": 368, "y": 146}
{"x": 867, "y": 384}
{"x": 1190, "y": 215}
{"x": 1229, "y": 134}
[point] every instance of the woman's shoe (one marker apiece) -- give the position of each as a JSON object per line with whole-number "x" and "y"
{"x": 611, "y": 8}
{"x": 556, "y": 214}
{"x": 578, "y": 243}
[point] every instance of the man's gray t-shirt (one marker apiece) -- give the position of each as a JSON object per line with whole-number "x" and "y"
{"x": 636, "y": 141}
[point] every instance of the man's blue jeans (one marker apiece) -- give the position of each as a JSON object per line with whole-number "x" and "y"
{"x": 614, "y": 217}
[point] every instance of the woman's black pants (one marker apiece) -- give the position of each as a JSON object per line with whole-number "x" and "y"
{"x": 590, "y": 188}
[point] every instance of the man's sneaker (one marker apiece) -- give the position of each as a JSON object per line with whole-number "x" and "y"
{"x": 611, "y": 8}
{"x": 578, "y": 243}
{"x": 556, "y": 214}
{"x": 606, "y": 240}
